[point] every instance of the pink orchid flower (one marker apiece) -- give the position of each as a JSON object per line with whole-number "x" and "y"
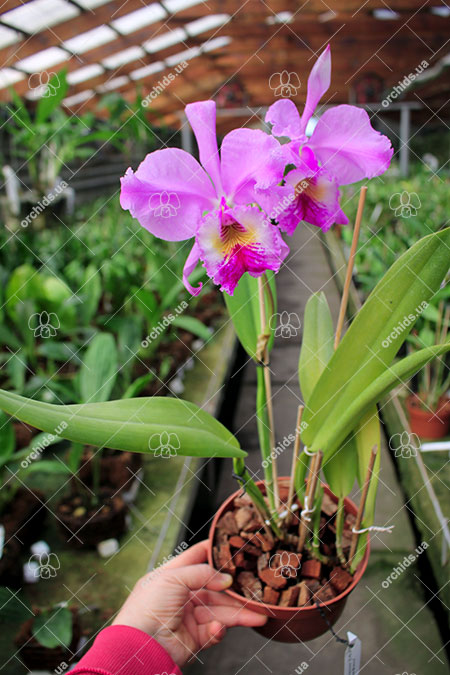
{"x": 344, "y": 143}
{"x": 176, "y": 198}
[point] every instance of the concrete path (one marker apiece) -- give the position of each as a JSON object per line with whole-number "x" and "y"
{"x": 398, "y": 632}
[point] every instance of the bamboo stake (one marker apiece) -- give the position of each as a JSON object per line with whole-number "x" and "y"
{"x": 351, "y": 262}
{"x": 362, "y": 503}
{"x": 295, "y": 457}
{"x": 268, "y": 386}
{"x": 311, "y": 485}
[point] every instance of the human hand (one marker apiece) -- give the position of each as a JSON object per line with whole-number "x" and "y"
{"x": 181, "y": 606}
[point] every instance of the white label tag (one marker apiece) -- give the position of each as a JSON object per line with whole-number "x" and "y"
{"x": 2, "y": 540}
{"x": 352, "y": 655}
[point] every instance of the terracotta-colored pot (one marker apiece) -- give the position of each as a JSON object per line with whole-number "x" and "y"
{"x": 426, "y": 424}
{"x": 293, "y": 624}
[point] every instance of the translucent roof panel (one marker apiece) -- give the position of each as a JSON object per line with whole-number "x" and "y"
{"x": 177, "y": 5}
{"x": 115, "y": 83}
{"x": 125, "y": 56}
{"x": 86, "y": 73}
{"x": 206, "y": 23}
{"x": 90, "y": 39}
{"x": 186, "y": 55}
{"x": 171, "y": 37}
{"x": 139, "y": 73}
{"x": 79, "y": 98}
{"x": 139, "y": 19}
{"x": 42, "y": 60}
{"x": 39, "y": 14}
{"x": 91, "y": 4}
{"x": 9, "y": 76}
{"x": 8, "y": 37}
{"x": 216, "y": 43}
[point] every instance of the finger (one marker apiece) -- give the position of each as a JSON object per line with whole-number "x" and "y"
{"x": 192, "y": 556}
{"x": 195, "y": 577}
{"x": 229, "y": 616}
{"x": 211, "y": 634}
{"x": 205, "y": 597}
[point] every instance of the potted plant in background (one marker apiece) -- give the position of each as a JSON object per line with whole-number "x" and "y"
{"x": 46, "y": 638}
{"x": 296, "y": 548}
{"x": 428, "y": 409}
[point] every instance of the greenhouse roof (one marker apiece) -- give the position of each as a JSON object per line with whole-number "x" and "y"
{"x": 238, "y": 47}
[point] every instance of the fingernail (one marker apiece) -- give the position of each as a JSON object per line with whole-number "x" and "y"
{"x": 227, "y": 580}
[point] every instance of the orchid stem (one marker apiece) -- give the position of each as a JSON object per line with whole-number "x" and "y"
{"x": 313, "y": 477}
{"x": 263, "y": 355}
{"x": 350, "y": 265}
{"x": 295, "y": 460}
{"x": 339, "y": 523}
{"x": 255, "y": 494}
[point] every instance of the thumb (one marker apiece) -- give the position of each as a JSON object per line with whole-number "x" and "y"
{"x": 195, "y": 577}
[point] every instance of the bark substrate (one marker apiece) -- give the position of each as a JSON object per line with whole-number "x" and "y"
{"x": 36, "y": 656}
{"x": 85, "y": 524}
{"x": 274, "y": 572}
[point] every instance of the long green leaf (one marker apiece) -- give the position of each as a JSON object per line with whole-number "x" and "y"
{"x": 7, "y": 439}
{"x": 133, "y": 424}
{"x": 368, "y": 434}
{"x": 53, "y": 629}
{"x": 333, "y": 433}
{"x": 193, "y": 325}
{"x": 98, "y": 372}
{"x": 55, "y": 91}
{"x": 317, "y": 343}
{"x": 340, "y": 469}
{"x": 243, "y": 307}
{"x": 374, "y": 337}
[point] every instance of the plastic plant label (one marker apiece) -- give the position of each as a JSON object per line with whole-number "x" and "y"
{"x": 352, "y": 655}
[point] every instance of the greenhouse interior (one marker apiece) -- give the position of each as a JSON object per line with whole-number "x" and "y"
{"x": 224, "y": 337}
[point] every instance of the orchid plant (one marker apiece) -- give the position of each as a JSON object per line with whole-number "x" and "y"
{"x": 233, "y": 208}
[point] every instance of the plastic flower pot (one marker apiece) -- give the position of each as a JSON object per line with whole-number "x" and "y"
{"x": 425, "y": 423}
{"x": 293, "y": 624}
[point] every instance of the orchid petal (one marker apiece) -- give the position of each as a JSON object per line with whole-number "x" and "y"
{"x": 189, "y": 266}
{"x": 202, "y": 118}
{"x": 319, "y": 81}
{"x": 168, "y": 194}
{"x": 285, "y": 119}
{"x": 314, "y": 197}
{"x": 239, "y": 240}
{"x": 250, "y": 158}
{"x": 348, "y": 146}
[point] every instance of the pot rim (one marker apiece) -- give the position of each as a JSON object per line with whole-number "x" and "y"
{"x": 253, "y": 604}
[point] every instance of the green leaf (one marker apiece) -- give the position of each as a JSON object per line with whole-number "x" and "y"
{"x": 193, "y": 325}
{"x": 7, "y": 439}
{"x": 340, "y": 469}
{"x": 317, "y": 343}
{"x": 138, "y": 385}
{"x": 367, "y": 435}
{"x": 48, "y": 466}
{"x": 98, "y": 372}
{"x": 336, "y": 430}
{"x": 374, "y": 338}
{"x": 53, "y": 628}
{"x": 54, "y": 93}
{"x": 90, "y": 294}
{"x": 243, "y": 307}
{"x": 132, "y": 424}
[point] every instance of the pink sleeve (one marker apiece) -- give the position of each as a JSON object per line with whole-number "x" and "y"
{"x": 128, "y": 651}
